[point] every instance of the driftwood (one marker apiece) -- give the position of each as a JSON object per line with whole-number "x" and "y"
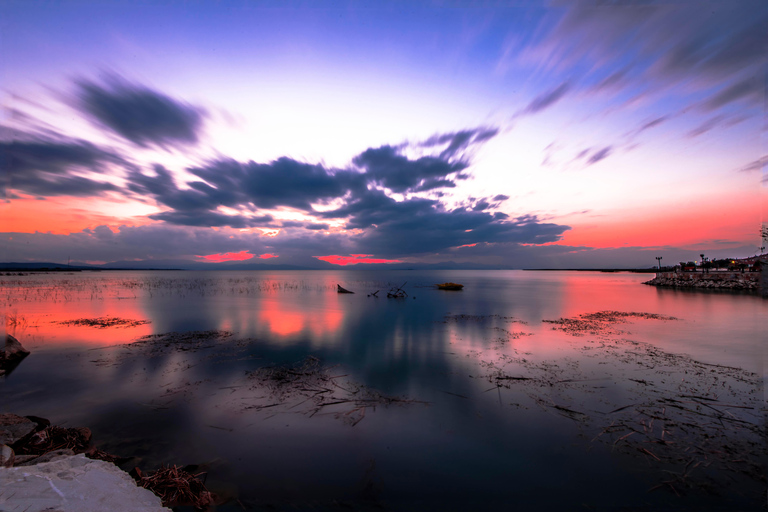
{"x": 339, "y": 289}
{"x": 397, "y": 293}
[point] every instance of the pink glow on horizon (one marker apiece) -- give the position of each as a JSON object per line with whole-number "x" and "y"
{"x": 267, "y": 255}
{"x": 228, "y": 256}
{"x": 353, "y": 259}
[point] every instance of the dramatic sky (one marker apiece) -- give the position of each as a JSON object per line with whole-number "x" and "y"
{"x": 507, "y": 133}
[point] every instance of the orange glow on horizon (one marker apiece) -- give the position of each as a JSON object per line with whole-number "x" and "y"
{"x": 734, "y": 219}
{"x": 64, "y": 216}
{"x": 228, "y": 256}
{"x": 354, "y": 259}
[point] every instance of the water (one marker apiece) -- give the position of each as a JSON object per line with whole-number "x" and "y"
{"x": 455, "y": 439}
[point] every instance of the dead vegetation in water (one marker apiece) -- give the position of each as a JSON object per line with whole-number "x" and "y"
{"x": 462, "y": 318}
{"x": 189, "y": 341}
{"x": 104, "y": 322}
{"x": 600, "y": 322}
{"x": 53, "y": 437}
{"x": 698, "y": 424}
{"x": 176, "y": 487}
{"x": 310, "y": 384}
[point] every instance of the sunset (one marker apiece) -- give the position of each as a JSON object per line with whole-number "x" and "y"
{"x": 446, "y": 255}
{"x": 547, "y": 136}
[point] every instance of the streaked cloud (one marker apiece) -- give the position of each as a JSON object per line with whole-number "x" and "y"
{"x": 138, "y": 113}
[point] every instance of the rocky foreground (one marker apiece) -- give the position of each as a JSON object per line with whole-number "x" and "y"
{"x": 729, "y": 281}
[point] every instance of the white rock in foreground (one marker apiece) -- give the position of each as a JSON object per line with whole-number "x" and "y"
{"x": 74, "y": 484}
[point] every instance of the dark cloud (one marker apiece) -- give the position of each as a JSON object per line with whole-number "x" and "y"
{"x": 139, "y": 114}
{"x": 457, "y": 142}
{"x": 750, "y": 88}
{"x": 249, "y": 186}
{"x": 205, "y": 218}
{"x": 386, "y": 167}
{"x": 646, "y": 48}
{"x": 46, "y": 166}
{"x": 417, "y": 226}
{"x": 547, "y": 99}
{"x": 283, "y": 182}
{"x": 599, "y": 155}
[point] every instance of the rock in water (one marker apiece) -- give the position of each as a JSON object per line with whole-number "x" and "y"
{"x": 13, "y": 349}
{"x": 13, "y": 428}
{"x": 11, "y": 355}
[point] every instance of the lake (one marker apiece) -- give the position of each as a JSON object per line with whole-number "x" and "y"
{"x": 529, "y": 390}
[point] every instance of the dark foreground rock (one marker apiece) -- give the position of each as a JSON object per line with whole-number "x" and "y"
{"x": 13, "y": 428}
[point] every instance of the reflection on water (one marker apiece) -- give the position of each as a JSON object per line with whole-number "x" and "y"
{"x": 477, "y": 444}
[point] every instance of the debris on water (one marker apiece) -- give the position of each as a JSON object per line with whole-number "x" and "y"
{"x": 695, "y": 422}
{"x": 461, "y": 318}
{"x": 104, "y": 322}
{"x": 176, "y": 486}
{"x": 311, "y": 383}
{"x": 339, "y": 289}
{"x": 600, "y": 322}
{"x": 397, "y": 293}
{"x": 53, "y": 437}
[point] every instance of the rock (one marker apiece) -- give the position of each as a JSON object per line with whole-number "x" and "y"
{"x": 13, "y": 348}
{"x": 47, "y": 457}
{"x": 14, "y": 427}
{"x": 74, "y": 484}
{"x": 21, "y": 460}
{"x": 11, "y": 355}
{"x": 6, "y": 456}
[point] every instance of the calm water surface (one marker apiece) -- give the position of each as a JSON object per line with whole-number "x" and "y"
{"x": 463, "y": 444}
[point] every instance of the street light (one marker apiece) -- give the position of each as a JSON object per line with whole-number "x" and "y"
{"x": 658, "y": 258}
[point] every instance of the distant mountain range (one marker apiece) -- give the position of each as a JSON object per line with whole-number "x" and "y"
{"x": 239, "y": 265}
{"x": 236, "y": 265}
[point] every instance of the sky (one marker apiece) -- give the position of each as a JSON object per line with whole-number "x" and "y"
{"x": 511, "y": 134}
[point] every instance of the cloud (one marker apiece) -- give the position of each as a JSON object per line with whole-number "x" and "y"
{"x": 415, "y": 226}
{"x": 139, "y": 114}
{"x": 546, "y": 99}
{"x": 752, "y": 88}
{"x": 599, "y": 155}
{"x": 227, "y": 256}
{"x": 650, "y": 124}
{"x": 205, "y": 218}
{"x": 283, "y": 182}
{"x": 386, "y": 167}
{"x": 756, "y": 165}
{"x": 353, "y": 259}
{"x": 706, "y": 126}
{"x": 457, "y": 142}
{"x": 645, "y": 49}
{"x": 253, "y": 187}
{"x": 47, "y": 166}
